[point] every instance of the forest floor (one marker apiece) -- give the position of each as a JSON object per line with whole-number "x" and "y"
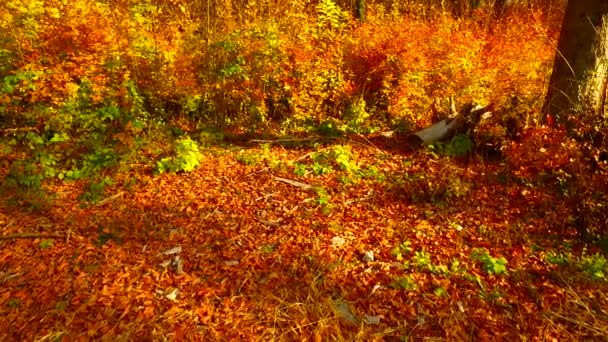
{"x": 372, "y": 244}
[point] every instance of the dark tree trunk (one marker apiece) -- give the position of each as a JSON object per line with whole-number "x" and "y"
{"x": 580, "y": 68}
{"x": 360, "y": 10}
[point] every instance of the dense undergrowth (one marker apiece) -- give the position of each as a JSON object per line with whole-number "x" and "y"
{"x": 128, "y": 128}
{"x": 85, "y": 88}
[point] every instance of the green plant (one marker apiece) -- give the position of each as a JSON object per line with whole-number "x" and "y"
{"x": 355, "y": 116}
{"x": 246, "y": 72}
{"x": 268, "y": 248}
{"x": 557, "y": 258}
{"x": 249, "y": 158}
{"x": 26, "y": 177}
{"x": 100, "y": 158}
{"x": 265, "y": 149}
{"x": 13, "y": 303}
{"x": 494, "y": 297}
{"x": 319, "y": 169}
{"x": 374, "y": 173}
{"x": 96, "y": 190}
{"x": 25, "y": 174}
{"x": 323, "y": 197}
{"x": 339, "y": 156}
{"x": 253, "y": 157}
{"x": 422, "y": 260}
{"x": 187, "y": 158}
{"x": 19, "y": 83}
{"x": 321, "y": 163}
{"x": 210, "y": 135}
{"x": 457, "y": 187}
{"x": 441, "y": 292}
{"x": 47, "y": 243}
{"x": 343, "y": 157}
{"x": 299, "y": 169}
{"x": 405, "y": 282}
{"x": 330, "y": 128}
{"x": 331, "y": 19}
{"x": 594, "y": 266}
{"x": 269, "y": 157}
{"x": 456, "y": 267}
{"x": 403, "y": 248}
{"x": 335, "y": 227}
{"x": 497, "y": 266}
{"x": 458, "y": 146}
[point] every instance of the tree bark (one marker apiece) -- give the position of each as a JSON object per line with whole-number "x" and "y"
{"x": 580, "y": 69}
{"x": 360, "y": 10}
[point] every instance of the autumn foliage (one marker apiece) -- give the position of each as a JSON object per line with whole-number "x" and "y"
{"x": 221, "y": 170}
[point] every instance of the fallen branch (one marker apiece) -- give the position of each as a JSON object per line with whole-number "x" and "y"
{"x": 31, "y": 236}
{"x": 311, "y": 153}
{"x": 19, "y": 129}
{"x": 68, "y": 235}
{"x": 370, "y": 195}
{"x": 110, "y": 198}
{"x": 463, "y": 122}
{"x": 270, "y": 223}
{"x": 361, "y": 199}
{"x": 283, "y": 140}
{"x": 300, "y": 185}
{"x": 10, "y": 223}
{"x": 265, "y": 196}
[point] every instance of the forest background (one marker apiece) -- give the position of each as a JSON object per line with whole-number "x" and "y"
{"x": 215, "y": 170}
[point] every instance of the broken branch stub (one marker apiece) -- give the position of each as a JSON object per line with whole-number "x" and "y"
{"x": 463, "y": 122}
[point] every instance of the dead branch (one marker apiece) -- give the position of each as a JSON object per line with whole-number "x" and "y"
{"x": 311, "y": 153}
{"x": 462, "y": 122}
{"x": 10, "y": 223}
{"x": 283, "y": 140}
{"x": 300, "y": 185}
{"x": 19, "y": 129}
{"x": 270, "y": 223}
{"x": 110, "y": 198}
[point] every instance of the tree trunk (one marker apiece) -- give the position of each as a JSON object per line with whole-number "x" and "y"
{"x": 580, "y": 68}
{"x": 360, "y": 10}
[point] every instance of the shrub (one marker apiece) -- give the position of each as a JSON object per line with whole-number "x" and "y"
{"x": 187, "y": 158}
{"x": 490, "y": 264}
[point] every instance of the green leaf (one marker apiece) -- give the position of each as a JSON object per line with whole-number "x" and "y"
{"x": 47, "y": 243}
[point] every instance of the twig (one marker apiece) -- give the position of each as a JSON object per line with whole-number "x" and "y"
{"x": 282, "y": 140}
{"x": 265, "y": 196}
{"x": 311, "y": 153}
{"x": 361, "y": 199}
{"x": 31, "y": 236}
{"x": 68, "y": 235}
{"x": 300, "y": 185}
{"x": 578, "y": 322}
{"x": 10, "y": 223}
{"x": 110, "y": 198}
{"x": 370, "y": 194}
{"x": 19, "y": 129}
{"x": 270, "y": 223}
